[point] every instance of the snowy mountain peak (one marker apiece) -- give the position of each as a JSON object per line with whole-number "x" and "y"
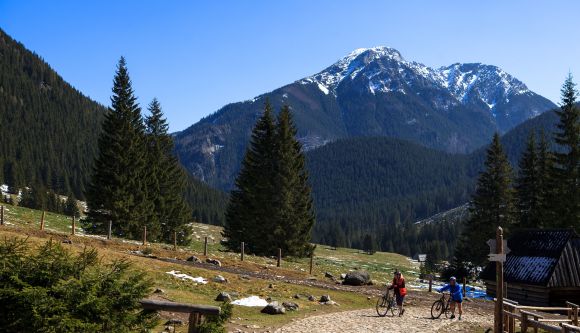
{"x": 382, "y": 69}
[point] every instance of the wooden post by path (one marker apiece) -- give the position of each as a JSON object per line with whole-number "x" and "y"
{"x": 73, "y": 226}
{"x": 175, "y": 241}
{"x": 311, "y": 261}
{"x": 144, "y": 235}
{"x": 242, "y": 249}
{"x": 1, "y": 215}
{"x": 42, "y": 221}
{"x": 464, "y": 286}
{"x": 205, "y": 246}
{"x": 279, "y": 258}
{"x": 430, "y": 283}
{"x": 110, "y": 229}
{"x": 498, "y": 323}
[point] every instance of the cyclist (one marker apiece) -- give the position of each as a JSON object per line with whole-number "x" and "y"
{"x": 456, "y": 296}
{"x": 398, "y": 287}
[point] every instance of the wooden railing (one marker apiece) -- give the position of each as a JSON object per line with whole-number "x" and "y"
{"x": 196, "y": 312}
{"x": 537, "y": 317}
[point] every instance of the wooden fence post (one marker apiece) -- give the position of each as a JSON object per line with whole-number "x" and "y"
{"x": 242, "y": 248}
{"x": 109, "y": 232}
{"x": 524, "y": 321}
{"x": 175, "y": 241}
{"x": 430, "y": 283}
{"x": 498, "y": 327}
{"x": 144, "y": 235}
{"x": 311, "y": 261}
{"x": 73, "y": 226}
{"x": 205, "y": 246}
{"x": 279, "y": 258}
{"x": 1, "y": 215}
{"x": 42, "y": 221}
{"x": 464, "y": 287}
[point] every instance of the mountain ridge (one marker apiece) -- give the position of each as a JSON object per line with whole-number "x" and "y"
{"x": 367, "y": 93}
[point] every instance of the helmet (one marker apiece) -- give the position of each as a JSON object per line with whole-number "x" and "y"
{"x": 452, "y": 278}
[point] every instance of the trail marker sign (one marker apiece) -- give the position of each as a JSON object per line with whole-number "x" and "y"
{"x": 493, "y": 247}
{"x": 497, "y": 257}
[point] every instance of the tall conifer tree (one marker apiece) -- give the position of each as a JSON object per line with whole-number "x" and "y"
{"x": 118, "y": 190}
{"x": 249, "y": 209}
{"x": 294, "y": 208}
{"x": 566, "y": 171}
{"x": 168, "y": 179}
{"x": 492, "y": 206}
{"x": 529, "y": 194}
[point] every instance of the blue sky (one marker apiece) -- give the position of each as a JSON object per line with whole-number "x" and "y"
{"x": 197, "y": 56}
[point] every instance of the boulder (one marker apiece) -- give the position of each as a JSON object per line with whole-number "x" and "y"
{"x": 223, "y": 297}
{"x": 290, "y": 306}
{"x": 220, "y": 279}
{"x": 193, "y": 259}
{"x": 357, "y": 278}
{"x": 213, "y": 262}
{"x": 297, "y": 296}
{"x": 328, "y": 275}
{"x": 324, "y": 299}
{"x": 273, "y": 309}
{"x": 311, "y": 298}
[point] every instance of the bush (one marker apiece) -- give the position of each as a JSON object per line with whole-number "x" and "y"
{"x": 216, "y": 324}
{"x": 49, "y": 289}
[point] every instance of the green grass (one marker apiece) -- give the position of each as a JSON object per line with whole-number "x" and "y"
{"x": 379, "y": 265}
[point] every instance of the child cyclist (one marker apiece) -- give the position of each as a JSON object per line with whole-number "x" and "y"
{"x": 398, "y": 287}
{"x": 456, "y": 296}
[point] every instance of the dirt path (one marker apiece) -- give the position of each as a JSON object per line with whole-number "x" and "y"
{"x": 415, "y": 320}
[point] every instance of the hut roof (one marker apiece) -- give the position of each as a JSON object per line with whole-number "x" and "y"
{"x": 534, "y": 255}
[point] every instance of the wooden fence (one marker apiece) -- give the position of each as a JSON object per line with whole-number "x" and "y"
{"x": 539, "y": 318}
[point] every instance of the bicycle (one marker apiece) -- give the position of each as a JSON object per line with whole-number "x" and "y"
{"x": 387, "y": 303}
{"x": 441, "y": 306}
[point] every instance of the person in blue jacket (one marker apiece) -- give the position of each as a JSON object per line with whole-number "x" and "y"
{"x": 456, "y": 296}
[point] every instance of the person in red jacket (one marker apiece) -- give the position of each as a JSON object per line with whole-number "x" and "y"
{"x": 398, "y": 287}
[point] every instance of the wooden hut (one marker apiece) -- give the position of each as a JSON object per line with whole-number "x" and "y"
{"x": 542, "y": 269}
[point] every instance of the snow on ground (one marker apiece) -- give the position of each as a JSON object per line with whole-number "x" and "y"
{"x": 251, "y": 301}
{"x": 184, "y": 276}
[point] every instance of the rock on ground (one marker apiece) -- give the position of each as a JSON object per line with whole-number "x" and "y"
{"x": 357, "y": 278}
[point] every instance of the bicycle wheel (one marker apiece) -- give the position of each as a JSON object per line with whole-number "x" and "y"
{"x": 447, "y": 310}
{"x": 383, "y": 305}
{"x": 395, "y": 309}
{"x": 436, "y": 309}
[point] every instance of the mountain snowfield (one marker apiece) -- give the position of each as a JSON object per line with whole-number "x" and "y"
{"x": 371, "y": 92}
{"x": 386, "y": 71}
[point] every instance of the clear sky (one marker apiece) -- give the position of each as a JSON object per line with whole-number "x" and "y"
{"x": 197, "y": 56}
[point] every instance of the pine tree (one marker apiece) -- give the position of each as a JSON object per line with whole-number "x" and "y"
{"x": 168, "y": 179}
{"x": 545, "y": 213}
{"x": 566, "y": 171}
{"x": 370, "y": 244}
{"x": 528, "y": 191}
{"x": 249, "y": 209}
{"x": 294, "y": 215}
{"x": 118, "y": 190}
{"x": 492, "y": 206}
{"x": 71, "y": 207}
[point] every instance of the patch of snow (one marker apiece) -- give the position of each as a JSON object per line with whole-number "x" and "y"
{"x": 184, "y": 276}
{"x": 285, "y": 95}
{"x": 251, "y": 301}
{"x": 323, "y": 88}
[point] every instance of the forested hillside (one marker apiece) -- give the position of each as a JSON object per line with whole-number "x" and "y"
{"x": 49, "y": 129}
{"x": 50, "y": 132}
{"x": 373, "y": 185}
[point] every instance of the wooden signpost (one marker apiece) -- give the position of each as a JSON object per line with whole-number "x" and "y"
{"x": 499, "y": 256}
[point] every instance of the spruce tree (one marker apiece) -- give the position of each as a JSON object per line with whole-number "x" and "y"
{"x": 492, "y": 206}
{"x": 294, "y": 217}
{"x": 250, "y": 205}
{"x": 118, "y": 190}
{"x": 566, "y": 171}
{"x": 167, "y": 179}
{"x": 528, "y": 192}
